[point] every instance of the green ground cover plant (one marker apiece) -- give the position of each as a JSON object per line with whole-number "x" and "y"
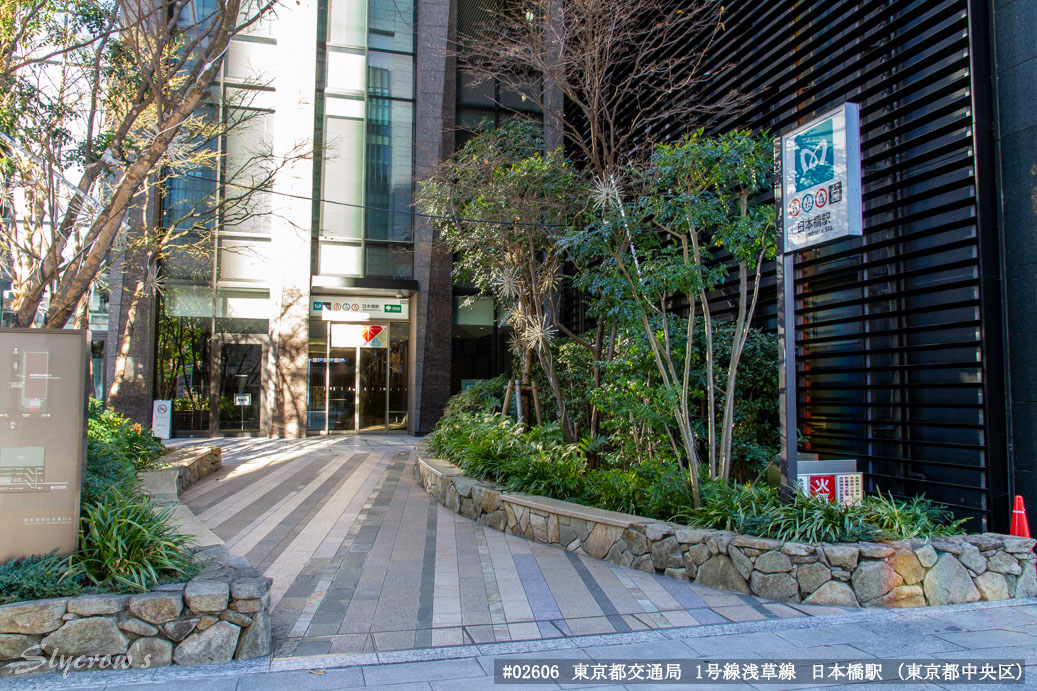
{"x": 126, "y": 543}
{"x": 487, "y": 445}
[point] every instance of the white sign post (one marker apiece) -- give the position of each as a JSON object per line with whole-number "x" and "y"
{"x": 162, "y": 419}
{"x": 821, "y": 179}
{"x": 819, "y": 200}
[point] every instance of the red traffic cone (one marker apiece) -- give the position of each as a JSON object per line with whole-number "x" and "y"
{"x": 1020, "y": 528}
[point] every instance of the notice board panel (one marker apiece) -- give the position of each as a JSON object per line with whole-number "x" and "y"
{"x": 43, "y": 376}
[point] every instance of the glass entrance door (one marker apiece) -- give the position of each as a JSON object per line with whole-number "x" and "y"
{"x": 240, "y": 387}
{"x": 342, "y": 390}
{"x": 373, "y": 382}
{"x": 358, "y": 377}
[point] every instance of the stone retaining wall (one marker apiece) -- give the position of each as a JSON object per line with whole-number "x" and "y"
{"x": 194, "y": 462}
{"x": 904, "y": 573}
{"x": 219, "y": 616}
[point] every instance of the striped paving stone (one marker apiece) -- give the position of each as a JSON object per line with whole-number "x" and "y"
{"x": 363, "y": 560}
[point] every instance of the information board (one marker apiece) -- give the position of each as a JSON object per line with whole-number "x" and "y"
{"x": 43, "y": 389}
{"x": 821, "y": 179}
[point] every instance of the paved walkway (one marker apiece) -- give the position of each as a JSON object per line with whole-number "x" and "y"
{"x": 977, "y": 632}
{"x": 363, "y": 560}
{"x": 377, "y": 587}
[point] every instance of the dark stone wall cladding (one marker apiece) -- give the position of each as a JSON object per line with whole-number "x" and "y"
{"x": 219, "y": 616}
{"x": 902, "y": 573}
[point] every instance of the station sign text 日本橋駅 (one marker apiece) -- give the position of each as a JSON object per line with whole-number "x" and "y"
{"x": 821, "y": 179}
{"x": 354, "y": 308}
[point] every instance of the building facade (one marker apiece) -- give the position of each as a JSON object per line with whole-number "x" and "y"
{"x": 334, "y": 311}
{"x": 305, "y": 310}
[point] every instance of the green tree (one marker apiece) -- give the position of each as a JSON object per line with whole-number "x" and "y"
{"x": 97, "y": 99}
{"x": 695, "y": 215}
{"x": 502, "y": 205}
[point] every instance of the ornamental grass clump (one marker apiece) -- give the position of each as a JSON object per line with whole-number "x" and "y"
{"x": 128, "y": 544}
{"x": 758, "y": 510}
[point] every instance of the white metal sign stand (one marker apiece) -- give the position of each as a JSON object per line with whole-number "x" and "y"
{"x": 818, "y": 194}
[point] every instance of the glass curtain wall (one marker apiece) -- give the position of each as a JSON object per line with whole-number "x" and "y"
{"x": 365, "y": 120}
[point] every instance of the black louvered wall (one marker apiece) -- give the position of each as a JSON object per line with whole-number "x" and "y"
{"x": 898, "y": 333}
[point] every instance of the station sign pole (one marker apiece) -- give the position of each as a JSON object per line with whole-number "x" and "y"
{"x": 818, "y": 198}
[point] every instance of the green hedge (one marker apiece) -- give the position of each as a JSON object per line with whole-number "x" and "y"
{"x": 487, "y": 445}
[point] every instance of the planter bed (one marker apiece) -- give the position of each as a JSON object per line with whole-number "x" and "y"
{"x": 901, "y": 573}
{"x": 219, "y": 616}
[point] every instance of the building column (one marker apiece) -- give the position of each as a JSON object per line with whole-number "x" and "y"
{"x": 432, "y": 306}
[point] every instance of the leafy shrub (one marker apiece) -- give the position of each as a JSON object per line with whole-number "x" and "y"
{"x": 128, "y": 544}
{"x": 115, "y": 450}
{"x": 126, "y": 439}
{"x": 614, "y": 489}
{"x": 482, "y": 396}
{"x": 488, "y": 446}
{"x": 758, "y": 510}
{"x": 37, "y": 578}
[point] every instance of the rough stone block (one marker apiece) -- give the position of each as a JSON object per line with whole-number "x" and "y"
{"x": 699, "y": 553}
{"x": 738, "y": 558}
{"x": 619, "y": 554}
{"x": 775, "y": 586}
{"x": 490, "y": 500}
{"x": 812, "y": 576}
{"x": 901, "y": 596}
{"x": 538, "y": 524}
{"x": 14, "y": 645}
{"x": 235, "y": 618}
{"x": 948, "y": 583}
{"x": 206, "y": 597}
{"x": 215, "y": 645}
{"x": 761, "y": 543}
{"x": 692, "y": 536}
{"x": 773, "y": 562}
{"x": 666, "y": 554}
{"x": 90, "y": 636}
{"x": 679, "y": 574}
{"x": 156, "y": 608}
{"x": 1002, "y": 562}
{"x": 873, "y": 550}
{"x": 991, "y": 586}
{"x": 657, "y": 530}
{"x": 984, "y": 542}
{"x": 179, "y": 629}
{"x": 972, "y": 559}
{"x": 797, "y": 549}
{"x": 720, "y": 572}
{"x": 1018, "y": 544}
{"x": 495, "y": 520}
{"x": 246, "y": 606}
{"x": 948, "y": 544}
{"x": 1025, "y": 584}
{"x": 636, "y": 541}
{"x": 468, "y": 508}
{"x": 874, "y": 579}
{"x": 926, "y": 556}
{"x": 39, "y": 616}
{"x": 205, "y": 621}
{"x": 249, "y": 588}
{"x": 905, "y": 563}
{"x": 843, "y": 556}
{"x": 147, "y": 653}
{"x": 600, "y": 540}
{"x": 566, "y": 534}
{"x": 833, "y": 593}
{"x": 138, "y": 627}
{"x": 254, "y": 640}
{"x": 643, "y": 563}
{"x": 97, "y": 605}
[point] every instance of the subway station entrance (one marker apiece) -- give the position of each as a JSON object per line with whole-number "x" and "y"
{"x": 357, "y": 380}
